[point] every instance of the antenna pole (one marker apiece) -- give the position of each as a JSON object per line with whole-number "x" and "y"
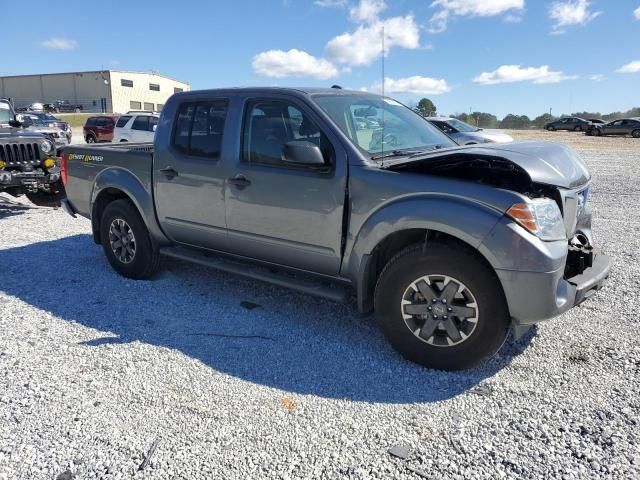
{"x": 382, "y": 143}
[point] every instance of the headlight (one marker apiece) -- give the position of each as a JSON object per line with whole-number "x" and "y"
{"x": 46, "y": 146}
{"x": 541, "y": 217}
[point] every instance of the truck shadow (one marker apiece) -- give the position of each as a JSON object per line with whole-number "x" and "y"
{"x": 256, "y": 332}
{"x": 10, "y": 208}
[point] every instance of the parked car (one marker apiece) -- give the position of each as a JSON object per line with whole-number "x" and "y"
{"x": 136, "y": 127}
{"x": 57, "y": 136}
{"x": 52, "y": 121}
{"x": 450, "y": 246}
{"x": 28, "y": 165}
{"x": 99, "y": 128}
{"x": 568, "y": 123}
{"x": 63, "y": 106}
{"x": 465, "y": 134}
{"x": 624, "y": 126}
{"x": 595, "y": 121}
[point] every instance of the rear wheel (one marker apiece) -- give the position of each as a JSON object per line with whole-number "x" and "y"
{"x": 551, "y": 128}
{"x": 578, "y": 128}
{"x": 126, "y": 241}
{"x": 443, "y": 308}
{"x": 597, "y": 132}
{"x": 635, "y": 134}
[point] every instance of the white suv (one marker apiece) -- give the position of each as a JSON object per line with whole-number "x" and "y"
{"x": 136, "y": 127}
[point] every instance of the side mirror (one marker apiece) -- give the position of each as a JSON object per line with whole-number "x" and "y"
{"x": 18, "y": 121}
{"x": 301, "y": 152}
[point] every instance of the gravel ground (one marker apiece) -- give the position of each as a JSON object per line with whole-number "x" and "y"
{"x": 95, "y": 370}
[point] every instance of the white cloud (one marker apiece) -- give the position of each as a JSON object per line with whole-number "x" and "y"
{"x": 59, "y": 43}
{"x": 631, "y": 67}
{"x": 515, "y": 73}
{"x": 294, "y": 63}
{"x": 596, "y": 78}
{"x": 417, "y": 85}
{"x": 364, "y": 45}
{"x": 367, "y": 11}
{"x": 570, "y": 12}
{"x": 330, "y": 3}
{"x": 636, "y": 13}
{"x": 472, "y": 8}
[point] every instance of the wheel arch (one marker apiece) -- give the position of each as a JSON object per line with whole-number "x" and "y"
{"x": 391, "y": 229}
{"x": 119, "y": 184}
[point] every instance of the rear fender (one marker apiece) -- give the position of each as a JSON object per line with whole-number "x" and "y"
{"x": 124, "y": 181}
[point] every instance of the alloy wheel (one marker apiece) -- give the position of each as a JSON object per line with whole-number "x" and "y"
{"x": 440, "y": 310}
{"x": 122, "y": 240}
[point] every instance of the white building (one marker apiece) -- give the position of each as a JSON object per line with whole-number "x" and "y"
{"x": 108, "y": 91}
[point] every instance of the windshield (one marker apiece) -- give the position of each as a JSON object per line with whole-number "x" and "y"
{"x": 462, "y": 126}
{"x": 377, "y": 125}
{"x": 5, "y": 113}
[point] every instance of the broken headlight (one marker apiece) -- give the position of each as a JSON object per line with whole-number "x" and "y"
{"x": 540, "y": 216}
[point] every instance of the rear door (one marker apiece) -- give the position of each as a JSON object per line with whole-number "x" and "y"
{"x": 189, "y": 177}
{"x": 276, "y": 212}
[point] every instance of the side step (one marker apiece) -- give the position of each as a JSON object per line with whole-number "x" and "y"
{"x": 302, "y": 283}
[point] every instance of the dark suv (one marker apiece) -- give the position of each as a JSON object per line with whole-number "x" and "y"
{"x": 568, "y": 123}
{"x": 99, "y": 129}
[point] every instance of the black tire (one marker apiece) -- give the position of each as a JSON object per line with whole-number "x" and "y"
{"x": 551, "y": 128}
{"x": 492, "y": 322}
{"x": 146, "y": 259}
{"x": 578, "y": 129}
{"x": 635, "y": 134}
{"x": 597, "y": 132}
{"x": 90, "y": 139}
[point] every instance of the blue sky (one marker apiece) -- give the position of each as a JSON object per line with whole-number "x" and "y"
{"x": 500, "y": 56}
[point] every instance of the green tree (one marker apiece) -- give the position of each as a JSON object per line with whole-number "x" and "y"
{"x": 426, "y": 108}
{"x": 483, "y": 120}
{"x": 541, "y": 120}
{"x": 515, "y": 121}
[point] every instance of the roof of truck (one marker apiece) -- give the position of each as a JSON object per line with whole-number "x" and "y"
{"x": 306, "y": 90}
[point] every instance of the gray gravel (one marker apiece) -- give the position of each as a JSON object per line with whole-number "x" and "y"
{"x": 95, "y": 369}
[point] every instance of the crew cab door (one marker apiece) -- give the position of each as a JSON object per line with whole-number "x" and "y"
{"x": 282, "y": 213}
{"x": 188, "y": 175}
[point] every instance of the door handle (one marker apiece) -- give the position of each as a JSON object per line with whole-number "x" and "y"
{"x": 169, "y": 171}
{"x": 239, "y": 181}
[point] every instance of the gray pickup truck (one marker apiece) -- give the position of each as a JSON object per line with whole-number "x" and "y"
{"x": 451, "y": 246}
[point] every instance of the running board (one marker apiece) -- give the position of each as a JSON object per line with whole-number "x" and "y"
{"x": 314, "y": 287}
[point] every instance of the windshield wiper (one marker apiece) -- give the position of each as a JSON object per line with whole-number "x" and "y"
{"x": 397, "y": 153}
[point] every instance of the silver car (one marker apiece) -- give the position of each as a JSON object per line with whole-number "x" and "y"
{"x": 57, "y": 136}
{"x": 464, "y": 134}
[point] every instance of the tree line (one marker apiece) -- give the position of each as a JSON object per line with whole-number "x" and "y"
{"x": 427, "y": 108}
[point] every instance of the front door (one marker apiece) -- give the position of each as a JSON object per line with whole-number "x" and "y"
{"x": 284, "y": 214}
{"x": 189, "y": 178}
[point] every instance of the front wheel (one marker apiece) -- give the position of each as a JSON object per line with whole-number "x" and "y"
{"x": 577, "y": 129}
{"x": 91, "y": 139}
{"x": 126, "y": 241}
{"x": 551, "y": 128}
{"x": 442, "y": 308}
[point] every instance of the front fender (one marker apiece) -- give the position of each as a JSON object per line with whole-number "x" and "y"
{"x": 127, "y": 183}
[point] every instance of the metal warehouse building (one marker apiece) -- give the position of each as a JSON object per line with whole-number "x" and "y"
{"x": 107, "y": 91}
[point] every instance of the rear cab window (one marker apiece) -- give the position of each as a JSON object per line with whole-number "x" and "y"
{"x": 199, "y": 128}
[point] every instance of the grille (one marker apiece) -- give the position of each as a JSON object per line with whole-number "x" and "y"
{"x": 19, "y": 154}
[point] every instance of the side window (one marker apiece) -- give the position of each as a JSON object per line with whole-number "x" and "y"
{"x": 199, "y": 128}
{"x": 153, "y": 122}
{"x": 269, "y": 124}
{"x": 140, "y": 123}
{"x": 91, "y": 122}
{"x": 122, "y": 121}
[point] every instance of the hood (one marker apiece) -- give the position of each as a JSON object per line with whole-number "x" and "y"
{"x": 497, "y": 136}
{"x": 544, "y": 163}
{"x": 7, "y": 133}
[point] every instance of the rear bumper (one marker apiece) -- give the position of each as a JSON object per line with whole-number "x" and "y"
{"x": 534, "y": 297}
